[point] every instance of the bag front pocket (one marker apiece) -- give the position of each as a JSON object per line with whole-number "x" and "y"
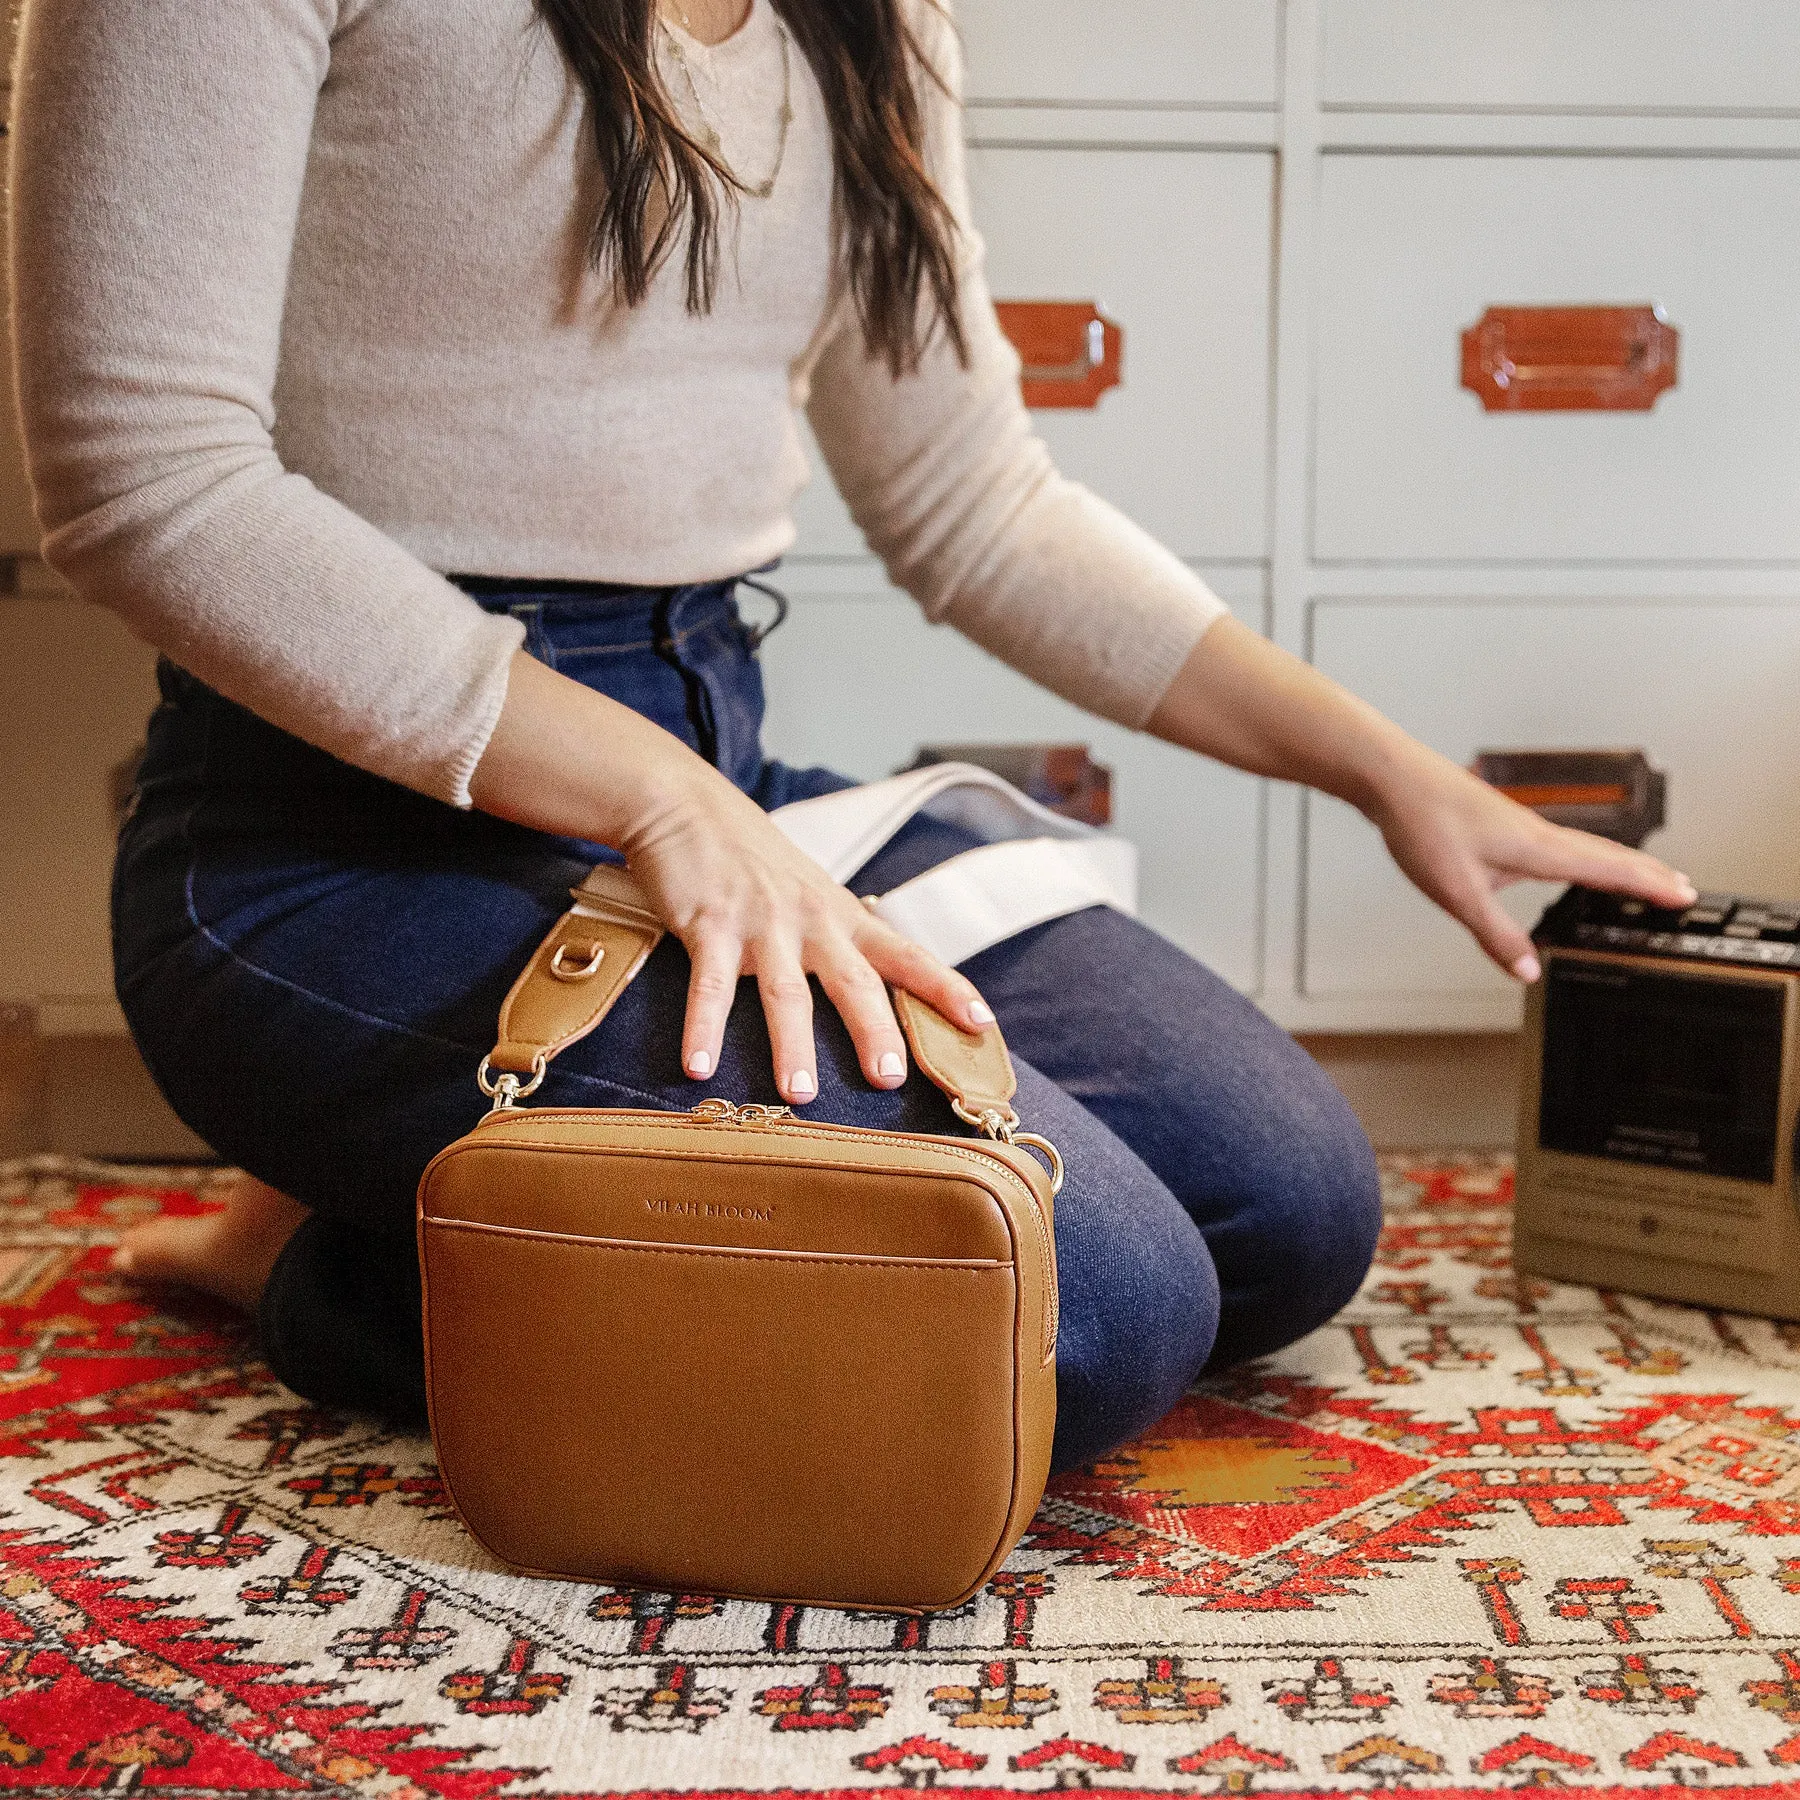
{"x": 835, "y": 1429}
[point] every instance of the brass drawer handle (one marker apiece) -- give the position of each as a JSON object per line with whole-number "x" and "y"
{"x": 1071, "y": 350}
{"x": 1570, "y": 358}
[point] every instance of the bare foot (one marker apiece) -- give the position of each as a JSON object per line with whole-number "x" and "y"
{"x": 228, "y": 1253}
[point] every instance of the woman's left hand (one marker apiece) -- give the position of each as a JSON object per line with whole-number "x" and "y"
{"x": 1248, "y": 702}
{"x": 1460, "y": 841}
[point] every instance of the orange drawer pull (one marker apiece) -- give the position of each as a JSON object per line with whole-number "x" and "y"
{"x": 1613, "y": 792}
{"x": 1573, "y": 793}
{"x": 1072, "y": 352}
{"x": 1570, "y": 358}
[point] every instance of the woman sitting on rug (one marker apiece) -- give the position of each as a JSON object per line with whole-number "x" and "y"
{"x": 418, "y": 376}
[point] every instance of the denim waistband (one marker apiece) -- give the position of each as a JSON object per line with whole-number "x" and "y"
{"x": 602, "y": 614}
{"x": 680, "y": 655}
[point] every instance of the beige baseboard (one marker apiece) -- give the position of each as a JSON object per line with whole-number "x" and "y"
{"x": 85, "y": 1096}
{"x": 1428, "y": 1091}
{"x": 92, "y": 1096}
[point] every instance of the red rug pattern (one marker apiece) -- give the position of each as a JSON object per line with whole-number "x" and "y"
{"x": 1483, "y": 1532}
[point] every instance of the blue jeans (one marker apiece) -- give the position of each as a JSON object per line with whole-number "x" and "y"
{"x": 312, "y": 958}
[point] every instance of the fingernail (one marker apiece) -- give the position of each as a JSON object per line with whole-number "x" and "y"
{"x": 891, "y": 1065}
{"x": 981, "y": 1012}
{"x": 700, "y": 1063}
{"x": 800, "y": 1084}
{"x": 1687, "y": 884}
{"x": 1527, "y": 968}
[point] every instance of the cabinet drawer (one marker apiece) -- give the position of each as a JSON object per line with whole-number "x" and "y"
{"x": 1707, "y": 689}
{"x": 1416, "y": 249}
{"x": 75, "y": 690}
{"x": 1149, "y": 53}
{"x": 859, "y": 683}
{"x": 1723, "y": 55}
{"x": 1175, "y": 247}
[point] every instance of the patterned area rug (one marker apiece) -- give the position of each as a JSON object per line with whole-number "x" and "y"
{"x": 1482, "y": 1533}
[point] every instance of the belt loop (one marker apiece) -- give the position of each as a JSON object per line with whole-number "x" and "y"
{"x": 537, "y": 642}
{"x": 754, "y": 635}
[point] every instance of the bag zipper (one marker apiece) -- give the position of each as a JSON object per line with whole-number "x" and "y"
{"x": 720, "y": 1111}
{"x": 758, "y": 1115}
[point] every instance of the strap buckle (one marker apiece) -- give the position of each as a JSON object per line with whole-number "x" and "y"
{"x": 505, "y": 1089}
{"x": 565, "y": 970}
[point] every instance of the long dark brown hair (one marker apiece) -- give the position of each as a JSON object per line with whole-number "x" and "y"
{"x": 896, "y": 233}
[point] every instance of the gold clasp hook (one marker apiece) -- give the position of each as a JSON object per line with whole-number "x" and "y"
{"x": 505, "y": 1089}
{"x": 997, "y": 1122}
{"x": 1002, "y": 1125}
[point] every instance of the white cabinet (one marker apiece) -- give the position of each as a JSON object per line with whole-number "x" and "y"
{"x": 1409, "y": 467}
{"x": 1505, "y": 579}
{"x": 1710, "y": 690}
{"x": 1412, "y": 468}
{"x": 1175, "y": 246}
{"x": 821, "y": 519}
{"x": 1706, "y": 55}
{"x": 859, "y": 682}
{"x": 1142, "y": 53}
{"x": 75, "y": 690}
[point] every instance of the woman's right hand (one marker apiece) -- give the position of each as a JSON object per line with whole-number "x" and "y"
{"x": 745, "y": 901}
{"x": 721, "y": 875}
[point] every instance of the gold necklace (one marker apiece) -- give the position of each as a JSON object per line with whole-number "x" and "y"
{"x": 708, "y": 132}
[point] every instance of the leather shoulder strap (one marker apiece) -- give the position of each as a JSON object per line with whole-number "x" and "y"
{"x": 577, "y": 972}
{"x": 974, "y": 1070}
{"x": 597, "y": 946}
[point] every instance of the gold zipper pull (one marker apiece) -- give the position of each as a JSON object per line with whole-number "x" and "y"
{"x": 725, "y": 1112}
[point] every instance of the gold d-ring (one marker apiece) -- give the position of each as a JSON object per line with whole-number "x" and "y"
{"x": 1031, "y": 1140}
{"x": 564, "y": 971}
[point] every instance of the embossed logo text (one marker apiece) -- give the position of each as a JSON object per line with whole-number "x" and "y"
{"x": 712, "y": 1209}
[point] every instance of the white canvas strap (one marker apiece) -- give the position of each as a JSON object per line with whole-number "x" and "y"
{"x": 1035, "y": 865}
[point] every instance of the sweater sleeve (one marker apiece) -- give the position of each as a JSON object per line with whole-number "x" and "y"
{"x": 158, "y": 157}
{"x": 957, "y": 494}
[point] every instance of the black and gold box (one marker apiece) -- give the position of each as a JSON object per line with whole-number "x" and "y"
{"x": 1657, "y": 1113}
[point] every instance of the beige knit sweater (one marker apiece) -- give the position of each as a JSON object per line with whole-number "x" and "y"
{"x": 302, "y": 319}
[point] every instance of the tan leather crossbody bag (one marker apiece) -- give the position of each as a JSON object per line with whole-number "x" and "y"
{"x": 732, "y": 1351}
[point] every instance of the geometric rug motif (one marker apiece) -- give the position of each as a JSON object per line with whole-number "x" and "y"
{"x": 1480, "y": 1533}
